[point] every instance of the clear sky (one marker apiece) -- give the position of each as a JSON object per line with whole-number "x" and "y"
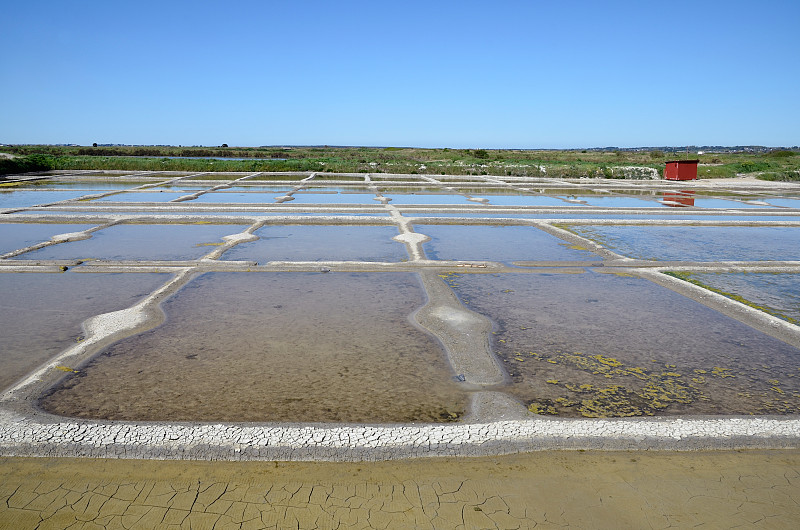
{"x": 526, "y": 74}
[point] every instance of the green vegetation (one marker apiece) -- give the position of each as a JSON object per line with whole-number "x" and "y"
{"x": 775, "y": 165}
{"x": 688, "y": 277}
{"x": 26, "y": 164}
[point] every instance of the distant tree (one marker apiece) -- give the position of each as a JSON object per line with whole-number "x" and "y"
{"x": 224, "y": 145}
{"x": 94, "y": 144}
{"x": 781, "y": 153}
{"x": 480, "y": 153}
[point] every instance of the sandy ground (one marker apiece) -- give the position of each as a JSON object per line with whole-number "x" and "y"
{"x": 548, "y": 489}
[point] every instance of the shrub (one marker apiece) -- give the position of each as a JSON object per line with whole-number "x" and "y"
{"x": 780, "y": 176}
{"x": 26, "y": 164}
{"x": 781, "y": 153}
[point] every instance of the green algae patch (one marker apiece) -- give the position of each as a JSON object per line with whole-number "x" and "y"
{"x": 655, "y": 389}
{"x": 542, "y": 408}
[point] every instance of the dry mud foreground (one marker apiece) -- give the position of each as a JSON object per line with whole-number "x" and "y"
{"x": 720, "y": 489}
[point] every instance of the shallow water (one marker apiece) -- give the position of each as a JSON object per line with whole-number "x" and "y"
{"x": 181, "y": 188}
{"x": 333, "y": 198}
{"x": 605, "y": 345}
{"x": 23, "y": 198}
{"x": 321, "y": 243}
{"x": 321, "y": 177}
{"x": 526, "y": 200}
{"x": 427, "y": 198}
{"x": 724, "y": 203}
{"x": 235, "y": 197}
{"x": 15, "y": 236}
{"x": 617, "y": 202}
{"x": 42, "y": 313}
{"x": 787, "y": 203}
{"x": 776, "y": 293}
{"x": 143, "y": 196}
{"x": 334, "y": 347}
{"x": 92, "y": 185}
{"x": 340, "y": 189}
{"x": 658, "y": 214}
{"x": 282, "y": 188}
{"x": 497, "y": 243}
{"x": 698, "y": 243}
{"x": 141, "y": 242}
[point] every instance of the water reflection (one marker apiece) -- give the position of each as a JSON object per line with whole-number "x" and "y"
{"x": 677, "y": 199}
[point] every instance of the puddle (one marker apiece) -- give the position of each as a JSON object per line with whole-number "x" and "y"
{"x": 142, "y": 196}
{"x": 698, "y": 243}
{"x": 42, "y": 313}
{"x": 321, "y": 243}
{"x": 775, "y": 293}
{"x": 140, "y": 242}
{"x": 334, "y": 347}
{"x": 20, "y": 235}
{"x": 23, "y": 198}
{"x": 602, "y": 345}
{"x": 497, "y": 243}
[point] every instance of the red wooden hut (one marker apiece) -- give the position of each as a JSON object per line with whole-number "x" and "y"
{"x": 681, "y": 170}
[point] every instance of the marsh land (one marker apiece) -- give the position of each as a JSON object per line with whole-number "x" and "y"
{"x": 775, "y": 164}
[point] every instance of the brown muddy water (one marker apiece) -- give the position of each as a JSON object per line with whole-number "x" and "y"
{"x": 298, "y": 347}
{"x": 603, "y": 345}
{"x": 42, "y": 313}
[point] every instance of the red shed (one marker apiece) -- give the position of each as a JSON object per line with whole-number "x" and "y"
{"x": 681, "y": 170}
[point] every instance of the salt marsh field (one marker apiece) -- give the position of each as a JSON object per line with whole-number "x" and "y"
{"x": 363, "y": 318}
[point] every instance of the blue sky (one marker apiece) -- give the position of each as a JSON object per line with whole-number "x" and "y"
{"x": 432, "y": 74}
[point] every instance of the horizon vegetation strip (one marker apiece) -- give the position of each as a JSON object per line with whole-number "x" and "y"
{"x": 777, "y": 165}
